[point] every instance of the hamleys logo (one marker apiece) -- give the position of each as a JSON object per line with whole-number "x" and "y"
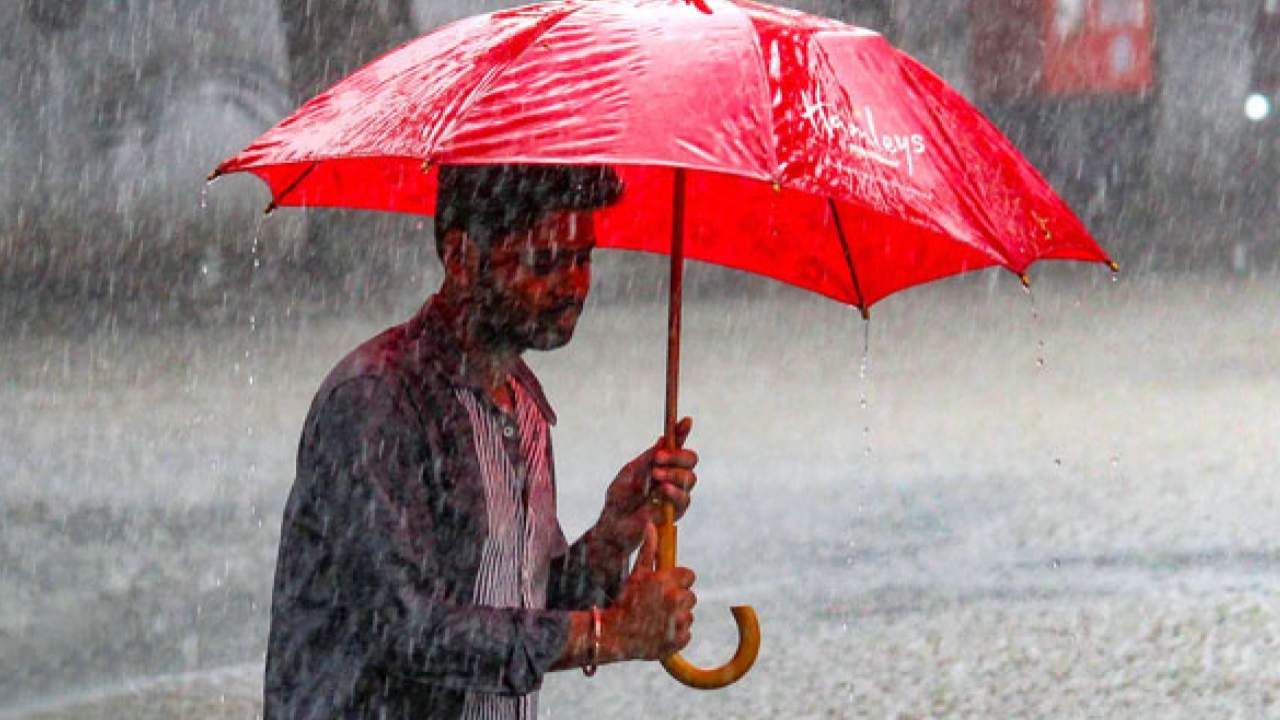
{"x": 860, "y": 134}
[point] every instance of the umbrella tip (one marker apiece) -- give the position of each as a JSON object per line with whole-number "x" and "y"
{"x": 1115, "y": 266}
{"x": 1026, "y": 281}
{"x": 217, "y": 173}
{"x": 866, "y": 313}
{"x": 271, "y": 207}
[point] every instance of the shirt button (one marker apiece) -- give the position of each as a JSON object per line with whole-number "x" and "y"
{"x": 508, "y": 431}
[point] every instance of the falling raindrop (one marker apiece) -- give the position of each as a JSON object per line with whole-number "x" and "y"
{"x": 1035, "y": 324}
{"x": 863, "y": 403}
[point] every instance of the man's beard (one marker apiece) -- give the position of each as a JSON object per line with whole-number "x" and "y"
{"x": 509, "y": 325}
{"x": 552, "y": 329}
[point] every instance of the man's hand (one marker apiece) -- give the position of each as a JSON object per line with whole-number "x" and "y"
{"x": 656, "y": 474}
{"x": 654, "y": 613}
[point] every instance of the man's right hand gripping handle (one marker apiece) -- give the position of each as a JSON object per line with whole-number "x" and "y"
{"x": 651, "y": 619}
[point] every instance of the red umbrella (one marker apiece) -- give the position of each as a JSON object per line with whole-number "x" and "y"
{"x": 749, "y": 136}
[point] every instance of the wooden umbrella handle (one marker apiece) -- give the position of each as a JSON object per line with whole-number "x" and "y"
{"x": 745, "y": 616}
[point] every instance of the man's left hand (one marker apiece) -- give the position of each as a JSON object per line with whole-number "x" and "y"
{"x": 635, "y": 495}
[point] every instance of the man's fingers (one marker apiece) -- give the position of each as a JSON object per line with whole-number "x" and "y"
{"x": 679, "y": 459}
{"x": 682, "y": 430}
{"x": 673, "y": 493}
{"x": 670, "y": 493}
{"x": 639, "y": 469}
{"x": 663, "y": 495}
{"x": 680, "y": 630}
{"x": 683, "y": 638}
{"x": 683, "y": 576}
{"x": 676, "y": 477}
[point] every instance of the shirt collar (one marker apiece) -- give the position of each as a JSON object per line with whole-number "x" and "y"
{"x": 434, "y": 328}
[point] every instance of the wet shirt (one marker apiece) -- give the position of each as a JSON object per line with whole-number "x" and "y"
{"x": 421, "y": 571}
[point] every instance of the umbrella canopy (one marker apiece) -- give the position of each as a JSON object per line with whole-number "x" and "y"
{"x": 816, "y": 153}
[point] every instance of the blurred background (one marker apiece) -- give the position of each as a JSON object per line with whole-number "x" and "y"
{"x": 1154, "y": 120}
{"x": 1100, "y": 465}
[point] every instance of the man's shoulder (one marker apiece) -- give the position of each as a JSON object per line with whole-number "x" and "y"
{"x": 381, "y": 357}
{"x": 400, "y": 359}
{"x": 385, "y": 364}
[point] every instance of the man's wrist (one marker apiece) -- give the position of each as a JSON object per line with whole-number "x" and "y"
{"x": 578, "y": 647}
{"x": 611, "y": 641}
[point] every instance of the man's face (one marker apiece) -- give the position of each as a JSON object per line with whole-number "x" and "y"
{"x": 537, "y": 281}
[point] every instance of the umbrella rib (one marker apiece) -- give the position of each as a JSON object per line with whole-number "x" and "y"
{"x": 848, "y": 258}
{"x": 275, "y": 202}
{"x": 765, "y": 102}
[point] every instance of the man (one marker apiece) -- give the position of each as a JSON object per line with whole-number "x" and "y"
{"x": 422, "y": 572}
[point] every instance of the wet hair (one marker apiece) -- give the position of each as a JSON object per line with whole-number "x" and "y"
{"x": 490, "y": 201}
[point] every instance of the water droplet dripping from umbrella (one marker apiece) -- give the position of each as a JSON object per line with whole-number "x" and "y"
{"x": 863, "y": 403}
{"x": 204, "y": 192}
{"x": 1035, "y": 322}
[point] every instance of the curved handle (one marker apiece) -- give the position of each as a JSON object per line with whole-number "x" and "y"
{"x": 744, "y": 615}
{"x": 730, "y": 672}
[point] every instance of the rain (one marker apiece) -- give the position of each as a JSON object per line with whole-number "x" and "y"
{"x": 984, "y": 501}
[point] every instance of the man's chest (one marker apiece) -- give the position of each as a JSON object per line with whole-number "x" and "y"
{"x": 507, "y": 455}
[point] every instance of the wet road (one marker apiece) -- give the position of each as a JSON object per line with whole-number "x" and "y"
{"x": 991, "y": 536}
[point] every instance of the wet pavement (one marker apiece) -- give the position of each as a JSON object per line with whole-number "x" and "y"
{"x": 990, "y": 536}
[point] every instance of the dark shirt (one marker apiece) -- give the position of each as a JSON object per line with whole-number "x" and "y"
{"x": 373, "y": 613}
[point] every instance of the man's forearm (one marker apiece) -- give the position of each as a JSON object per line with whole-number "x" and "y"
{"x": 607, "y": 561}
{"x": 590, "y": 573}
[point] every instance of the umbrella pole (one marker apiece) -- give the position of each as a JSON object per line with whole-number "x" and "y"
{"x": 744, "y": 615}
{"x": 667, "y": 528}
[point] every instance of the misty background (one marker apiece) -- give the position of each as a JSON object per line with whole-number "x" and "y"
{"x": 1061, "y": 506}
